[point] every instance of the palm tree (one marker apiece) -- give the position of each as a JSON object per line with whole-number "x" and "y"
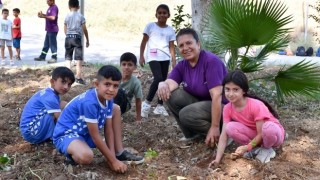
{"x": 233, "y": 24}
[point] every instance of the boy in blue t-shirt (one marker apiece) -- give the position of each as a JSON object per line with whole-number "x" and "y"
{"x": 77, "y": 130}
{"x": 42, "y": 110}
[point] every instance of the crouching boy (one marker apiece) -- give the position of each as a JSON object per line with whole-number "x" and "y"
{"x": 77, "y": 130}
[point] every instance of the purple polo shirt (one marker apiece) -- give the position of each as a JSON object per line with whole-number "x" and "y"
{"x": 52, "y": 26}
{"x": 207, "y": 74}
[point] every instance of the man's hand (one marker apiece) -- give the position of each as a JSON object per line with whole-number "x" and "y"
{"x": 212, "y": 136}
{"x": 118, "y": 166}
{"x": 87, "y": 44}
{"x": 163, "y": 91}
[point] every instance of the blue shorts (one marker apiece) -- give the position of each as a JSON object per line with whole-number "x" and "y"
{"x": 63, "y": 142}
{"x": 16, "y": 43}
{"x": 40, "y": 130}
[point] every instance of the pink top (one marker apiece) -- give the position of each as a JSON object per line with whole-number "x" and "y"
{"x": 253, "y": 111}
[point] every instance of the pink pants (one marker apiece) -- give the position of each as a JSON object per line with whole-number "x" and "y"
{"x": 272, "y": 133}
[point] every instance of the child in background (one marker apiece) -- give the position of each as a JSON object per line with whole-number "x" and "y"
{"x": 249, "y": 121}
{"x": 130, "y": 85}
{"x": 42, "y": 110}
{"x": 6, "y": 36}
{"x": 74, "y": 26}
{"x": 77, "y": 130}
{"x": 16, "y": 30}
{"x": 159, "y": 38}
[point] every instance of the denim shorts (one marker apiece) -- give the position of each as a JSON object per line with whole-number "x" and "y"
{"x": 16, "y": 42}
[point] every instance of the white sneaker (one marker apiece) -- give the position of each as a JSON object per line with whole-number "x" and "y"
{"x": 145, "y": 109}
{"x": 3, "y": 63}
{"x": 265, "y": 155}
{"x": 160, "y": 110}
{"x": 251, "y": 154}
{"x": 11, "y": 63}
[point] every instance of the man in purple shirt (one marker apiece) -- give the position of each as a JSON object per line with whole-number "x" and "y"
{"x": 52, "y": 30}
{"x": 198, "y": 105}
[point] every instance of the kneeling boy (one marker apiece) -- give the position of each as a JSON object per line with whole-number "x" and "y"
{"x": 77, "y": 130}
{"x": 42, "y": 110}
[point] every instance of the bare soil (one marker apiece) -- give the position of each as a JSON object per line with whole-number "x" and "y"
{"x": 297, "y": 159}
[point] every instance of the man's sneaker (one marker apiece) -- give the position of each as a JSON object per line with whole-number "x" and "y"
{"x": 3, "y": 63}
{"x": 11, "y": 63}
{"x": 251, "y": 154}
{"x": 265, "y": 155}
{"x": 185, "y": 139}
{"x": 18, "y": 58}
{"x": 128, "y": 158}
{"x": 39, "y": 59}
{"x": 51, "y": 61}
{"x": 145, "y": 109}
{"x": 80, "y": 81}
{"x": 160, "y": 110}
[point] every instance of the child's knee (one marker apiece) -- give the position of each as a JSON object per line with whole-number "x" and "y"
{"x": 86, "y": 157}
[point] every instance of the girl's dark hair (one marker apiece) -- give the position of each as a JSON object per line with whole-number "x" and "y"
{"x": 109, "y": 71}
{"x": 191, "y": 31}
{"x": 63, "y": 73}
{"x": 163, "y": 6}
{"x": 240, "y": 79}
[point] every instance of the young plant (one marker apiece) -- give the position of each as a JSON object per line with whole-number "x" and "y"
{"x": 150, "y": 154}
{"x": 4, "y": 161}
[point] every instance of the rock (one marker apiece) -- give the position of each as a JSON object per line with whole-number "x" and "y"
{"x": 70, "y": 169}
{"x": 234, "y": 173}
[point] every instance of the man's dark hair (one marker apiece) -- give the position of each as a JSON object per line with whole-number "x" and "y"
{"x": 17, "y": 10}
{"x": 73, "y": 3}
{"x": 109, "y": 71}
{"x": 63, "y": 73}
{"x": 5, "y": 10}
{"x": 128, "y": 56}
{"x": 191, "y": 31}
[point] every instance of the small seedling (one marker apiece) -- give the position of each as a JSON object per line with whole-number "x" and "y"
{"x": 4, "y": 161}
{"x": 150, "y": 154}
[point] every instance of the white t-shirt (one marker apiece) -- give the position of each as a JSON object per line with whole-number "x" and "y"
{"x": 158, "y": 43}
{"x": 6, "y": 29}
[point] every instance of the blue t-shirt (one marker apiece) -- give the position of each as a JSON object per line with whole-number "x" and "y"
{"x": 83, "y": 109}
{"x": 40, "y": 104}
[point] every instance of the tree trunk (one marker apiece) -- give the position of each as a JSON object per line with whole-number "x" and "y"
{"x": 199, "y": 7}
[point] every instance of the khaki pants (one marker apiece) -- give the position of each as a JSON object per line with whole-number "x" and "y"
{"x": 193, "y": 116}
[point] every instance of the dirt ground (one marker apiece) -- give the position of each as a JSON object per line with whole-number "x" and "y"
{"x": 298, "y": 158}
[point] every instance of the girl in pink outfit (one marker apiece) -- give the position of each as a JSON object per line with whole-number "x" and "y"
{"x": 249, "y": 121}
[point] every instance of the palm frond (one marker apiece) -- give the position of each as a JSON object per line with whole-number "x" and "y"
{"x": 239, "y": 23}
{"x": 250, "y": 64}
{"x": 302, "y": 78}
